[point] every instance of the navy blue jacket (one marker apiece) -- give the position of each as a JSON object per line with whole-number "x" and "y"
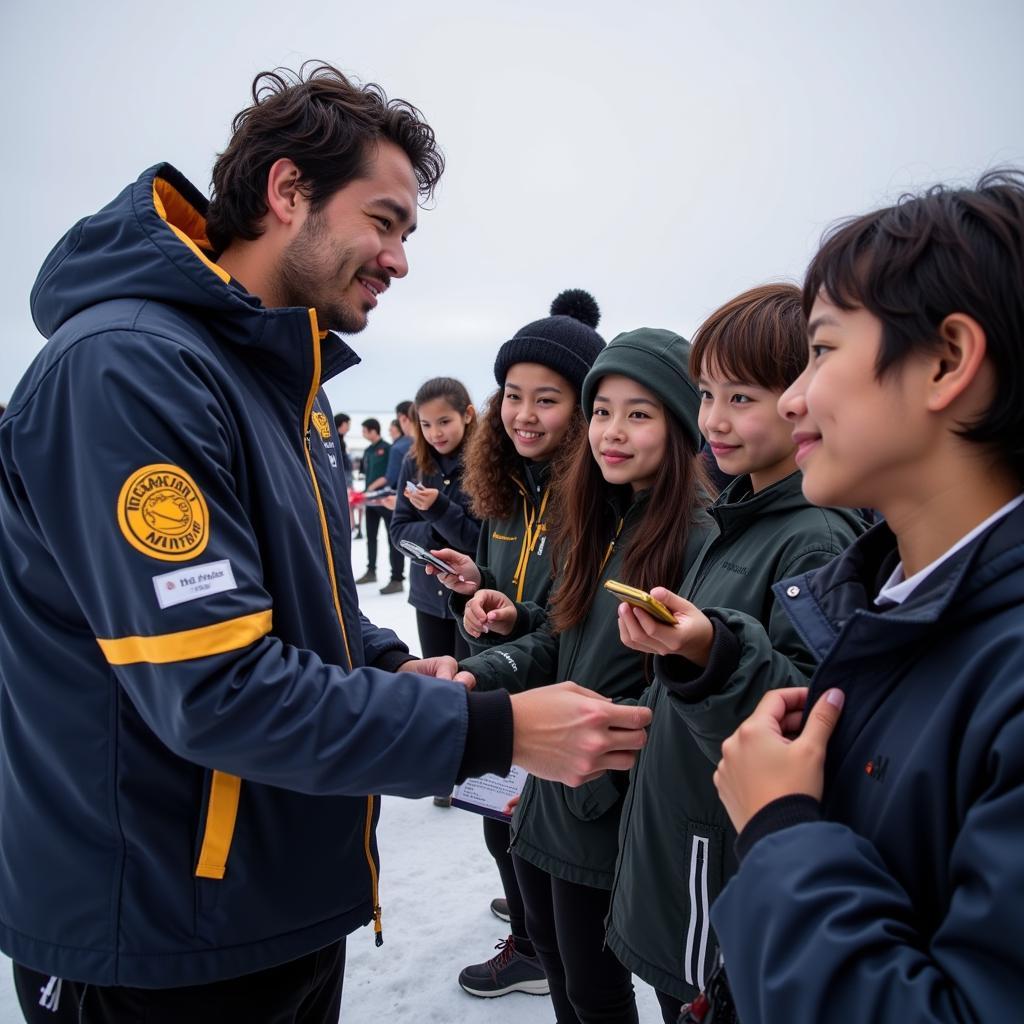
{"x": 901, "y": 897}
{"x": 446, "y": 524}
{"x": 396, "y": 456}
{"x": 190, "y": 732}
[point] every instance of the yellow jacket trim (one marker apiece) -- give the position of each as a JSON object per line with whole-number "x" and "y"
{"x": 318, "y": 336}
{"x": 531, "y": 535}
{"x": 230, "y": 635}
{"x": 176, "y": 211}
{"x": 225, "y": 791}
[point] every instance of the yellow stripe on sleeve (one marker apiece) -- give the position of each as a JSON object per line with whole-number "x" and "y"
{"x": 231, "y": 635}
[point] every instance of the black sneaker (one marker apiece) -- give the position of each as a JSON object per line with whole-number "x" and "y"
{"x": 509, "y": 971}
{"x": 370, "y": 576}
{"x": 499, "y": 908}
{"x": 394, "y": 587}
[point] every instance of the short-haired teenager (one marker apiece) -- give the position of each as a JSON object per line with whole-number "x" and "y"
{"x": 881, "y": 811}
{"x": 676, "y": 841}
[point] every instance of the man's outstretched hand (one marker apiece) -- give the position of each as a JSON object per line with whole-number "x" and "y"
{"x": 442, "y": 667}
{"x": 569, "y": 734}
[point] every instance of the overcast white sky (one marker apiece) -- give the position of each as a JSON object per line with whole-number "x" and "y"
{"x": 663, "y": 155}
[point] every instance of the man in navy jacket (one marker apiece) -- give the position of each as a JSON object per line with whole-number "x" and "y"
{"x": 880, "y": 835}
{"x": 194, "y": 715}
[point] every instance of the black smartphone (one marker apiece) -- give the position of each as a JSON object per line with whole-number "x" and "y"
{"x": 424, "y": 557}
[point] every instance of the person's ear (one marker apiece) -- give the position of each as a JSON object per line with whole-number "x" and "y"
{"x": 469, "y": 415}
{"x": 958, "y": 361}
{"x": 285, "y": 201}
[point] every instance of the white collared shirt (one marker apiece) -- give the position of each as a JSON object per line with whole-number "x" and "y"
{"x": 896, "y": 589}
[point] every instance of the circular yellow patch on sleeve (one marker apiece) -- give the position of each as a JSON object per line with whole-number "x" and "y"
{"x": 163, "y": 514}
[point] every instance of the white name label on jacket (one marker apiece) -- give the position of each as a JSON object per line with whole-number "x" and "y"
{"x": 196, "y": 581}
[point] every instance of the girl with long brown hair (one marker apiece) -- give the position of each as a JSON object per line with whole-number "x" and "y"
{"x": 533, "y": 415}
{"x": 628, "y": 506}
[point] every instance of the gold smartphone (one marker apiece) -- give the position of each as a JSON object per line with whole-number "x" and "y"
{"x": 641, "y": 599}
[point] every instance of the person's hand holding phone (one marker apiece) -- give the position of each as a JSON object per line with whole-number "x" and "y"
{"x": 421, "y": 498}
{"x": 489, "y": 611}
{"x": 465, "y": 580}
{"x": 690, "y": 637}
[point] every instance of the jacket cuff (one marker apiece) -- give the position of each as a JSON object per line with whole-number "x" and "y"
{"x": 392, "y": 661}
{"x": 690, "y": 682}
{"x": 795, "y": 809}
{"x": 488, "y": 735}
{"x": 438, "y": 509}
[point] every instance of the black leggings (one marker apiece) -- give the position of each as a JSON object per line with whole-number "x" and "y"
{"x": 566, "y": 923}
{"x": 440, "y": 636}
{"x": 497, "y": 836}
{"x": 670, "y": 1007}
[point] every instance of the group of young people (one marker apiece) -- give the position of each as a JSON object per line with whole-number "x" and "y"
{"x": 865, "y": 873}
{"x": 797, "y": 747}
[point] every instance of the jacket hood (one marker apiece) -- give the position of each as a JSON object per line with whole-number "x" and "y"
{"x": 738, "y": 504}
{"x": 150, "y": 243}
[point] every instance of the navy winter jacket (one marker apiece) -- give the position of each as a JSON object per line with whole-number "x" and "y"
{"x": 190, "y": 729}
{"x": 900, "y": 897}
{"x": 448, "y": 523}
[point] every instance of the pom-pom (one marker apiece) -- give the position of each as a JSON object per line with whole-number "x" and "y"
{"x": 578, "y": 304}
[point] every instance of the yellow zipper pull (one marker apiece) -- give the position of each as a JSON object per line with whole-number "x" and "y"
{"x": 378, "y": 927}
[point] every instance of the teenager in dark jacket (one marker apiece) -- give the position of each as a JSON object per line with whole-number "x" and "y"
{"x": 628, "y": 508}
{"x": 881, "y": 875}
{"x": 533, "y": 416}
{"x": 676, "y": 840}
{"x": 431, "y": 508}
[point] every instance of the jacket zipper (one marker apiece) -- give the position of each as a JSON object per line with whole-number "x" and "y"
{"x": 531, "y": 534}
{"x": 306, "y": 419}
{"x": 627, "y": 812}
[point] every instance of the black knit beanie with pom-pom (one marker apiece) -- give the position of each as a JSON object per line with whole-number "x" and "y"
{"x": 565, "y": 342}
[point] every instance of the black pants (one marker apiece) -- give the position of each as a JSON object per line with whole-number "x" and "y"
{"x": 440, "y": 636}
{"x": 304, "y": 991}
{"x": 566, "y": 923}
{"x": 670, "y": 1007}
{"x": 497, "y": 836}
{"x": 374, "y": 517}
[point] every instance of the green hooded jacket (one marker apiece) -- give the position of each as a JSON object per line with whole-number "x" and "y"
{"x": 676, "y": 839}
{"x": 573, "y": 833}
{"x": 512, "y": 555}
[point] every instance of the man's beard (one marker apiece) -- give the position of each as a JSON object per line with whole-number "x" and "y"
{"x": 300, "y": 276}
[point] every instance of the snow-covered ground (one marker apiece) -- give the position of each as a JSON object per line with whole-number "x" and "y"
{"x": 437, "y": 881}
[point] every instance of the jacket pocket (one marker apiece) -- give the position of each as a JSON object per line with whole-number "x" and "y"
{"x": 702, "y": 871}
{"x": 593, "y": 799}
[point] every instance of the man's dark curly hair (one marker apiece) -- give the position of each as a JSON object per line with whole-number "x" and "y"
{"x": 324, "y": 123}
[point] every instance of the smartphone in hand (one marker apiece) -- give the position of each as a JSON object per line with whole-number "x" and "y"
{"x": 640, "y": 599}
{"x": 424, "y": 557}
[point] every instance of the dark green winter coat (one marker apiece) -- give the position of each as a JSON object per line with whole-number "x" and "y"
{"x": 573, "y": 833}
{"x": 676, "y": 839}
{"x": 513, "y": 557}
